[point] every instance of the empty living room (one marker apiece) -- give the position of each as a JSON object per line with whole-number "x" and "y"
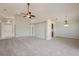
{"x": 39, "y": 29}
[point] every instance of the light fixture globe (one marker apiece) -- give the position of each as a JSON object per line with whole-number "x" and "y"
{"x": 66, "y": 25}
{"x": 66, "y": 22}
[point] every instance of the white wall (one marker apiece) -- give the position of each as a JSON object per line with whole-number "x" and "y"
{"x": 22, "y": 27}
{"x": 72, "y": 31}
{"x": 40, "y": 29}
{"x": 60, "y": 11}
{"x": 37, "y": 29}
{"x": 49, "y": 10}
{"x": 49, "y": 30}
{"x": 0, "y": 29}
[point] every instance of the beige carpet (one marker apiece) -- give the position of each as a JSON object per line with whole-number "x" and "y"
{"x": 28, "y": 46}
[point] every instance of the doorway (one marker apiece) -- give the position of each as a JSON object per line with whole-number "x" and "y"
{"x": 7, "y": 29}
{"x": 52, "y": 34}
{"x": 39, "y": 30}
{"x": 53, "y": 28}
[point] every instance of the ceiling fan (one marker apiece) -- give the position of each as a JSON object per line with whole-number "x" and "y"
{"x": 28, "y": 14}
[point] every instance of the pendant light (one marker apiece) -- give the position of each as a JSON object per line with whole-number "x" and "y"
{"x": 66, "y": 22}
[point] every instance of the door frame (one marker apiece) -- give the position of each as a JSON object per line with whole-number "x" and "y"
{"x": 34, "y": 29}
{"x": 13, "y": 25}
{"x": 53, "y": 21}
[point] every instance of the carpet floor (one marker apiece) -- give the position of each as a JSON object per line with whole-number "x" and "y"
{"x": 29, "y": 46}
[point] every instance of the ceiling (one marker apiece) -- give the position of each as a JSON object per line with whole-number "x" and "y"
{"x": 39, "y": 9}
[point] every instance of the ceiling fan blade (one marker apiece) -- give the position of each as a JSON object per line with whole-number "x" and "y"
{"x": 30, "y": 17}
{"x": 24, "y": 16}
{"x": 22, "y": 13}
{"x": 33, "y": 16}
{"x": 28, "y": 14}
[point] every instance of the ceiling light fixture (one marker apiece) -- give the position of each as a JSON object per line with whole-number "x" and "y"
{"x": 28, "y": 14}
{"x": 66, "y": 22}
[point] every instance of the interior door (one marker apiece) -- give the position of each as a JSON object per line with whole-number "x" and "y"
{"x": 7, "y": 29}
{"x": 40, "y": 30}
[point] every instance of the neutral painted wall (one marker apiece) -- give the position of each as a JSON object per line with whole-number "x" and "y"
{"x": 42, "y": 29}
{"x": 60, "y": 11}
{"x": 22, "y": 27}
{"x": 48, "y": 29}
{"x": 72, "y": 31}
{"x": 36, "y": 29}
{"x": 49, "y": 10}
{"x": 0, "y": 29}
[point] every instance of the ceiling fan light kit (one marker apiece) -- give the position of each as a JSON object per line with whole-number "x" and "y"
{"x": 28, "y": 14}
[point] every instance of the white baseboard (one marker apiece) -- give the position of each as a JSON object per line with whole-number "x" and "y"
{"x": 66, "y": 37}
{"x": 22, "y": 37}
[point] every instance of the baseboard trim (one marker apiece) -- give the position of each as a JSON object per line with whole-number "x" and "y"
{"x": 65, "y": 37}
{"x": 13, "y": 37}
{"x": 22, "y": 37}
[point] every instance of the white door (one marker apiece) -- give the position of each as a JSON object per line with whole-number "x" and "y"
{"x": 7, "y": 30}
{"x": 40, "y": 30}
